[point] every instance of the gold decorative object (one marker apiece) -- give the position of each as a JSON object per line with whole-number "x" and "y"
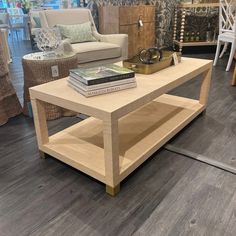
{"x": 150, "y": 55}
{"x": 138, "y": 67}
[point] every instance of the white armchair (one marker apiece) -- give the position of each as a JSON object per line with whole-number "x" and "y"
{"x": 107, "y": 49}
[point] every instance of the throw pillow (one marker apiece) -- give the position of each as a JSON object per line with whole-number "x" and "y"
{"x": 1, "y": 22}
{"x": 77, "y": 33}
{"x": 37, "y": 21}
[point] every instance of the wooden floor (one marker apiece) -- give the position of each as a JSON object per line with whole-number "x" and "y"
{"x": 169, "y": 195}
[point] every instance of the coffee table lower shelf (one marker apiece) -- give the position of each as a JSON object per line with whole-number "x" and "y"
{"x": 141, "y": 133}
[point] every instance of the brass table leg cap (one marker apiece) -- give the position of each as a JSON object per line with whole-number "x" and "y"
{"x": 113, "y": 191}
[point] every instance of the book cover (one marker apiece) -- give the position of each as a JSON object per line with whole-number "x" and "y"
{"x": 101, "y": 91}
{"x": 100, "y": 86}
{"x": 101, "y": 74}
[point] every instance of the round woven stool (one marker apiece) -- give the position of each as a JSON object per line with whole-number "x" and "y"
{"x": 39, "y": 69}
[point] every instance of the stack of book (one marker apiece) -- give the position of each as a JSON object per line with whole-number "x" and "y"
{"x": 101, "y": 79}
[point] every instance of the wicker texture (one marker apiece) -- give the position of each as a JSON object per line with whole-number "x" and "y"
{"x": 38, "y": 72}
{"x": 9, "y": 103}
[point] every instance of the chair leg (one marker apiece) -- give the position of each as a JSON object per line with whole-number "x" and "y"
{"x": 11, "y": 35}
{"x": 224, "y": 50}
{"x": 233, "y": 47}
{"x": 16, "y": 35}
{"x": 217, "y": 52}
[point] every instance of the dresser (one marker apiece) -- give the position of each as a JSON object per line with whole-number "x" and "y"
{"x": 136, "y": 21}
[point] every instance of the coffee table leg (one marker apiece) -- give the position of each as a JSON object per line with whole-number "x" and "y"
{"x": 113, "y": 191}
{"x": 111, "y": 152}
{"x": 42, "y": 154}
{"x": 205, "y": 87}
{"x": 40, "y": 124}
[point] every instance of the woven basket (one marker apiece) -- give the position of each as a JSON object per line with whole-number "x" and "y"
{"x": 38, "y": 72}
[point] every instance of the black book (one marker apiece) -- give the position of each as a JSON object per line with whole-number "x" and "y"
{"x": 101, "y": 74}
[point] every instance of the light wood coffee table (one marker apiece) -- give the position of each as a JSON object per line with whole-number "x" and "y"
{"x": 125, "y": 128}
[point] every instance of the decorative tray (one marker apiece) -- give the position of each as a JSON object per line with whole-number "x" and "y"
{"x": 139, "y": 67}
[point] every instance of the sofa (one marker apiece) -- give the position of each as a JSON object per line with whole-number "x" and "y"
{"x": 106, "y": 49}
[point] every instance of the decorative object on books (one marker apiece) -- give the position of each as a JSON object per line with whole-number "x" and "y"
{"x": 48, "y": 40}
{"x": 150, "y": 55}
{"x": 101, "y": 79}
{"x": 138, "y": 66}
{"x": 39, "y": 69}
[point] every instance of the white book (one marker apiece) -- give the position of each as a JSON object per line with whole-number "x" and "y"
{"x": 101, "y": 91}
{"x": 100, "y": 86}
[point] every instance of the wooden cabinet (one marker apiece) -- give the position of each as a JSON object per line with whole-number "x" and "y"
{"x": 126, "y": 20}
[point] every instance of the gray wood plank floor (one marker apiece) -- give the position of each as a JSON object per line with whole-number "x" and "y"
{"x": 214, "y": 134}
{"x": 168, "y": 195}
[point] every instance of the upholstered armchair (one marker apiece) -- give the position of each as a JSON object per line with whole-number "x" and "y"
{"x": 34, "y": 25}
{"x": 106, "y": 49}
{"x": 9, "y": 103}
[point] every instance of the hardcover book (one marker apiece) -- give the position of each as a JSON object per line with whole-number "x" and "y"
{"x": 101, "y": 91}
{"x": 99, "y": 86}
{"x": 101, "y": 74}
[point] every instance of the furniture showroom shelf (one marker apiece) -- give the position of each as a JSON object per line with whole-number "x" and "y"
{"x": 181, "y": 12}
{"x": 196, "y": 5}
{"x": 140, "y": 136}
{"x": 192, "y": 44}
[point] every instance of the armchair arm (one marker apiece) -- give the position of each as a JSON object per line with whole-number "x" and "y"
{"x": 119, "y": 39}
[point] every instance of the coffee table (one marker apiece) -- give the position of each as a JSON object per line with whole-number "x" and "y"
{"x": 125, "y": 128}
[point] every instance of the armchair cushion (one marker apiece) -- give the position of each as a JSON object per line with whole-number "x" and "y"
{"x": 77, "y": 33}
{"x": 37, "y": 21}
{"x": 95, "y": 51}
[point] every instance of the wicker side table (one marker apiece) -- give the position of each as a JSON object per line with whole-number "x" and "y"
{"x": 39, "y": 70}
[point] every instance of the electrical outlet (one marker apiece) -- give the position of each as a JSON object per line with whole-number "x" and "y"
{"x": 55, "y": 71}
